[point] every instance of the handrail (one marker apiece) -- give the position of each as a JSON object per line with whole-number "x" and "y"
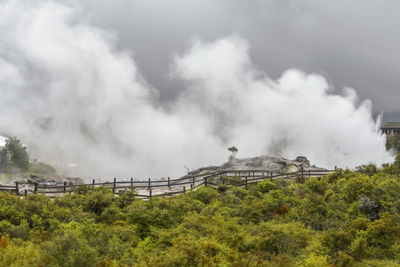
{"x": 193, "y": 182}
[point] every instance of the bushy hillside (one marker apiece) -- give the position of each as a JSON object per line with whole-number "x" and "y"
{"x": 344, "y": 219}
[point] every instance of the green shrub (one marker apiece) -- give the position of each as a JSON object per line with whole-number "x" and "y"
{"x": 344, "y": 219}
{"x": 204, "y": 194}
{"x": 266, "y": 186}
{"x": 97, "y": 200}
{"x": 367, "y": 169}
{"x": 69, "y": 249}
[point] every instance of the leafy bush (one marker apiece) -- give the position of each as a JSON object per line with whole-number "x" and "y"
{"x": 367, "y": 169}
{"x": 69, "y": 249}
{"x": 265, "y": 186}
{"x": 97, "y": 200}
{"x": 347, "y": 218}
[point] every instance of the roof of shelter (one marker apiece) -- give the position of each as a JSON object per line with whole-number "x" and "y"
{"x": 392, "y": 125}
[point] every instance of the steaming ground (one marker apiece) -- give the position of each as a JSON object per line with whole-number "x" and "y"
{"x": 74, "y": 98}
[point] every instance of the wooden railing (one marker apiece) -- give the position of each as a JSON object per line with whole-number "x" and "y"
{"x": 166, "y": 187}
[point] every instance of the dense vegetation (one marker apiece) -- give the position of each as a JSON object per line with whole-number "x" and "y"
{"x": 347, "y": 218}
{"x": 393, "y": 143}
{"x": 14, "y": 156}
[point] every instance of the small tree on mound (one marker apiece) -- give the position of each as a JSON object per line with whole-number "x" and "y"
{"x": 233, "y": 150}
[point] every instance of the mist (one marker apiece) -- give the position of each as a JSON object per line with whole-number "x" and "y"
{"x": 75, "y": 98}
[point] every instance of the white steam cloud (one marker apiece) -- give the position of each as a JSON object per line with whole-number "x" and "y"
{"x": 72, "y": 97}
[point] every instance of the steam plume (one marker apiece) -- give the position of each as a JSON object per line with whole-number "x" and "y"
{"x": 73, "y": 97}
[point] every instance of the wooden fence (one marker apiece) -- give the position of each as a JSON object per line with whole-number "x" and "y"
{"x": 164, "y": 187}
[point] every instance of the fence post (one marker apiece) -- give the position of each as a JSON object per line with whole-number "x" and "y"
{"x": 205, "y": 181}
{"x": 184, "y": 190}
{"x": 191, "y": 186}
{"x": 35, "y": 188}
{"x": 168, "y": 182}
{"x": 65, "y": 186}
{"x": 150, "y": 193}
{"x": 245, "y": 180}
{"x": 17, "y": 188}
{"x": 271, "y": 176}
{"x": 149, "y": 183}
{"x": 93, "y": 182}
{"x": 193, "y": 181}
{"x": 26, "y": 192}
{"x": 335, "y": 168}
{"x": 131, "y": 181}
{"x": 114, "y": 184}
{"x": 302, "y": 172}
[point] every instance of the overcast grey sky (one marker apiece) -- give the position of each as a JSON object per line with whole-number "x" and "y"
{"x": 115, "y": 83}
{"x": 352, "y": 43}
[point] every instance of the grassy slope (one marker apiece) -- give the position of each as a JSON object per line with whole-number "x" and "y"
{"x": 39, "y": 169}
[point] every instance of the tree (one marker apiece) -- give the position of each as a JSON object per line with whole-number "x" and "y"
{"x": 69, "y": 249}
{"x": 233, "y": 150}
{"x": 393, "y": 142}
{"x": 3, "y": 160}
{"x": 18, "y": 153}
{"x": 369, "y": 169}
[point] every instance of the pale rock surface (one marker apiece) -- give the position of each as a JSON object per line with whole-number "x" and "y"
{"x": 266, "y": 163}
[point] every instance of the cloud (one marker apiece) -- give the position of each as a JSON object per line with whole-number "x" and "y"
{"x": 74, "y": 97}
{"x": 297, "y": 114}
{"x": 352, "y": 43}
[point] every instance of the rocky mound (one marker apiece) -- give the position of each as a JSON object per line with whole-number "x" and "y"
{"x": 267, "y": 163}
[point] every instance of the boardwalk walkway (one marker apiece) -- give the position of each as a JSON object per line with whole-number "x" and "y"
{"x": 164, "y": 187}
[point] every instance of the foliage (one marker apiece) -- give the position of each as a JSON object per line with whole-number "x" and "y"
{"x": 265, "y": 186}
{"x": 14, "y": 159}
{"x": 394, "y": 168}
{"x": 19, "y": 155}
{"x": 347, "y": 218}
{"x": 393, "y": 142}
{"x": 367, "y": 169}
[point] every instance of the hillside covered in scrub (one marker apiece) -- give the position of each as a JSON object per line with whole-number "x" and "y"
{"x": 347, "y": 218}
